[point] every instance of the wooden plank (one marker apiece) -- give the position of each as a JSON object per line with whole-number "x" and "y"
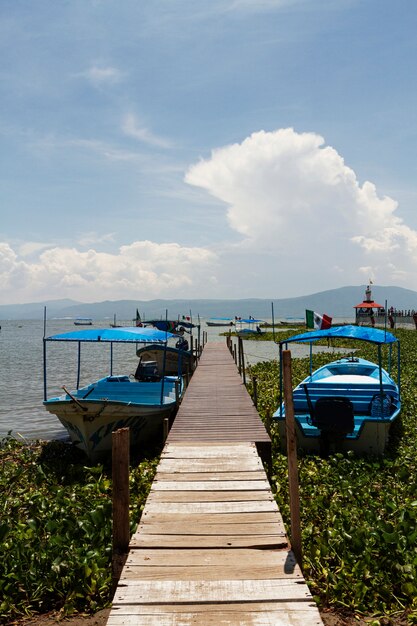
{"x": 274, "y": 541}
{"x": 207, "y": 451}
{"x": 203, "y": 591}
{"x": 281, "y": 606}
{"x": 282, "y": 560}
{"x": 209, "y": 496}
{"x": 222, "y": 517}
{"x": 203, "y": 527}
{"x": 171, "y": 508}
{"x": 210, "y": 465}
{"x": 203, "y": 485}
{"x": 165, "y": 617}
{"x": 202, "y": 572}
{"x": 211, "y": 476}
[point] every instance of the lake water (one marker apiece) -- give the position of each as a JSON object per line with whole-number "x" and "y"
{"x": 21, "y": 362}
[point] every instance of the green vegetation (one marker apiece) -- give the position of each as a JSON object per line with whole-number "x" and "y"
{"x": 359, "y": 515}
{"x": 55, "y": 528}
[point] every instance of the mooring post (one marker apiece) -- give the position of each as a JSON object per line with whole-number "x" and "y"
{"x": 166, "y": 429}
{"x": 255, "y": 390}
{"x": 121, "y": 525}
{"x": 292, "y": 459}
{"x": 242, "y": 360}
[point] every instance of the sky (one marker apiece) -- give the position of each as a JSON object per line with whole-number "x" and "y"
{"x": 194, "y": 149}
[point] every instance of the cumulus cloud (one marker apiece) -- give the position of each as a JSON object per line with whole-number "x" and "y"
{"x": 292, "y": 197}
{"x": 142, "y": 270}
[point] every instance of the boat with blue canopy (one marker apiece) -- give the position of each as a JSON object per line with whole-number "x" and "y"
{"x": 245, "y": 327}
{"x": 220, "y": 321}
{"x": 348, "y": 404}
{"x": 140, "y": 401}
{"x": 181, "y": 357}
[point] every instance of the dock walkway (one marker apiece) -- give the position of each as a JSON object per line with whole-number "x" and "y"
{"x": 211, "y": 547}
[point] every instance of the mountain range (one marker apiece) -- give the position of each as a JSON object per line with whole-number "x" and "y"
{"x": 338, "y": 303}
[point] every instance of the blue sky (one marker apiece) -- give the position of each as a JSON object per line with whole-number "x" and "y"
{"x": 193, "y": 149}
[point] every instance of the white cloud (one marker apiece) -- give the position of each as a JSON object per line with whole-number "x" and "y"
{"x": 132, "y": 128}
{"x": 102, "y": 75}
{"x": 292, "y": 197}
{"x": 142, "y": 270}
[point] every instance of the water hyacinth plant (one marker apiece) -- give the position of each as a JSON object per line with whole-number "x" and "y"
{"x": 56, "y": 528}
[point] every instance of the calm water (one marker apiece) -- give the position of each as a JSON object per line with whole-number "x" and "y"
{"x": 21, "y": 362}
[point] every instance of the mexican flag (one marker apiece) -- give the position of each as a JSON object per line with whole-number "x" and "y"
{"x": 317, "y": 321}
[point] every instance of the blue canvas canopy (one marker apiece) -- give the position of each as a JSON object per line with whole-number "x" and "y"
{"x": 126, "y": 334}
{"x": 169, "y": 325}
{"x": 363, "y": 333}
{"x": 250, "y": 320}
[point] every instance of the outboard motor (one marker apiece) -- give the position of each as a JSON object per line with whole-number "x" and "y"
{"x": 147, "y": 371}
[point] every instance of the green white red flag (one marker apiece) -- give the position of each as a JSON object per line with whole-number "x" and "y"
{"x": 317, "y": 321}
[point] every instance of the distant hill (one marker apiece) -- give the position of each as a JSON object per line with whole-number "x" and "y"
{"x": 334, "y": 302}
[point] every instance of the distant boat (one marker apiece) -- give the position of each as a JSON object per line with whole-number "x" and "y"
{"x": 348, "y": 404}
{"x": 220, "y": 321}
{"x": 245, "y": 327}
{"x": 83, "y": 321}
{"x": 140, "y": 401}
{"x": 115, "y": 324}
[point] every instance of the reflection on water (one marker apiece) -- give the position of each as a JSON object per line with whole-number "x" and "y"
{"x": 21, "y": 362}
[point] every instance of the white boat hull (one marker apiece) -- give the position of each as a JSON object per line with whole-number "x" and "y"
{"x": 91, "y": 430}
{"x": 373, "y": 440}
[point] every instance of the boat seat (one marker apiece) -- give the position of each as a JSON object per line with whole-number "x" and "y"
{"x": 334, "y": 415}
{"x": 147, "y": 371}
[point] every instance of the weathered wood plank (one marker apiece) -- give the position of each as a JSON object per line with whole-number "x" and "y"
{"x": 223, "y": 517}
{"x": 280, "y": 559}
{"x": 274, "y": 541}
{"x": 178, "y": 508}
{"x": 201, "y": 591}
{"x": 205, "y": 485}
{"x": 207, "y": 451}
{"x": 209, "y": 496}
{"x": 270, "y": 617}
{"x": 236, "y": 464}
{"x": 281, "y": 606}
{"x": 212, "y": 476}
{"x": 203, "y": 527}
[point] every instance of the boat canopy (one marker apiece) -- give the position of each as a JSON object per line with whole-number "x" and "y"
{"x": 372, "y": 335}
{"x": 125, "y": 334}
{"x": 169, "y": 325}
{"x": 250, "y": 320}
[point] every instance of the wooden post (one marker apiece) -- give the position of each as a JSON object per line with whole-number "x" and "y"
{"x": 120, "y": 477}
{"x": 242, "y": 360}
{"x": 255, "y": 390}
{"x": 166, "y": 428}
{"x": 268, "y": 421}
{"x": 234, "y": 353}
{"x": 192, "y": 344}
{"x": 239, "y": 352}
{"x": 292, "y": 459}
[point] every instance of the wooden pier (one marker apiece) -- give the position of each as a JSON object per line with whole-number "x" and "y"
{"x": 211, "y": 547}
